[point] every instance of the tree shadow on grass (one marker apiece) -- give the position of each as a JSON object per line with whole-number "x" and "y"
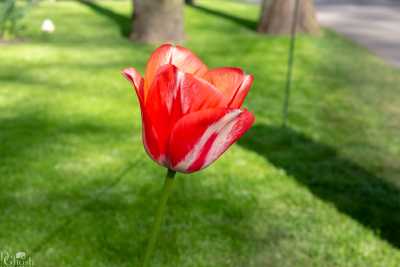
{"x": 115, "y": 230}
{"x": 32, "y": 129}
{"x": 354, "y": 191}
{"x": 122, "y": 21}
{"x": 249, "y": 24}
{"x": 111, "y": 222}
{"x": 96, "y": 197}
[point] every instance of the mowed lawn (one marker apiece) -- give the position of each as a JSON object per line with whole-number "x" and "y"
{"x": 77, "y": 188}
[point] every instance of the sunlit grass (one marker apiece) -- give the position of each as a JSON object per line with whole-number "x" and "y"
{"x": 77, "y": 189}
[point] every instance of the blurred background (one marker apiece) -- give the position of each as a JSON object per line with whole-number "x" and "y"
{"x": 315, "y": 182}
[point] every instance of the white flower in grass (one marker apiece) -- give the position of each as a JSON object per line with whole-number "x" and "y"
{"x": 48, "y": 26}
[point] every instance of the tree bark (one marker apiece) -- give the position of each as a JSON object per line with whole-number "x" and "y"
{"x": 156, "y": 21}
{"x": 277, "y": 17}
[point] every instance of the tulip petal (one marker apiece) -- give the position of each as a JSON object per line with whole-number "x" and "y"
{"x": 233, "y": 82}
{"x": 173, "y": 95}
{"x": 199, "y": 138}
{"x": 148, "y": 134}
{"x": 133, "y": 76}
{"x": 188, "y": 62}
{"x": 179, "y": 56}
{"x": 150, "y": 140}
{"x": 241, "y": 93}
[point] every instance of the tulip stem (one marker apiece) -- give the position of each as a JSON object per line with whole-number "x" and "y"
{"x": 166, "y": 191}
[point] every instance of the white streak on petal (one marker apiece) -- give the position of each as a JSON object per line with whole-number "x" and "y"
{"x": 220, "y": 143}
{"x": 170, "y": 55}
{"x": 173, "y": 92}
{"x": 214, "y": 128}
{"x": 185, "y": 99}
{"x": 246, "y": 80}
{"x": 243, "y": 85}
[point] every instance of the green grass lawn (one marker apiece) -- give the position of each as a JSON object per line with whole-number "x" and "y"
{"x": 77, "y": 188}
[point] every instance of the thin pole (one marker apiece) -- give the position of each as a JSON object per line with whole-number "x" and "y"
{"x": 290, "y": 63}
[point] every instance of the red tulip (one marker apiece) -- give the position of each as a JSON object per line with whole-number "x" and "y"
{"x": 190, "y": 115}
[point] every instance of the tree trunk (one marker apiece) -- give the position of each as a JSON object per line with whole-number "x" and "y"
{"x": 277, "y": 17}
{"x": 189, "y": 2}
{"x": 156, "y": 21}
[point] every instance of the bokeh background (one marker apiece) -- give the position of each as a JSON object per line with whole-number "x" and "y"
{"x": 77, "y": 188}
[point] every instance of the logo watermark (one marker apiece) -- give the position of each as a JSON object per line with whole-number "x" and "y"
{"x": 19, "y": 259}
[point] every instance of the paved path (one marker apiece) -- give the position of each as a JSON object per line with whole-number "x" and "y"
{"x": 374, "y": 24}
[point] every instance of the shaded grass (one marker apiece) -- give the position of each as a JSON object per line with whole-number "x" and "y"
{"x": 122, "y": 21}
{"x": 324, "y": 192}
{"x": 353, "y": 190}
{"x": 243, "y": 22}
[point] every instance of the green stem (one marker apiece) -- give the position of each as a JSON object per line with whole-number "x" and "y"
{"x": 169, "y": 181}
